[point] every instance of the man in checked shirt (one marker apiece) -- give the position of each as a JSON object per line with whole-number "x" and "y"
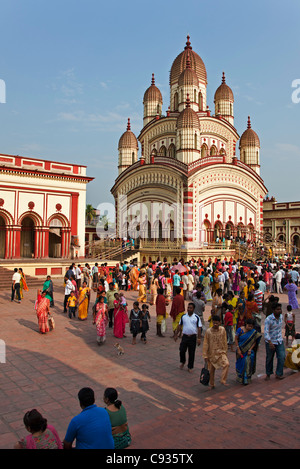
{"x": 274, "y": 342}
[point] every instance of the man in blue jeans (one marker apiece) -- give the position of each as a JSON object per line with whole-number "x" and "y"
{"x": 91, "y": 428}
{"x": 274, "y": 342}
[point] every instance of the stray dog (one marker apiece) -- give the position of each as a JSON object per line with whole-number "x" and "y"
{"x": 119, "y": 348}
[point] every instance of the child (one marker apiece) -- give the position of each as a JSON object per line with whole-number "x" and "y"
{"x": 128, "y": 284}
{"x": 145, "y": 322}
{"x": 135, "y": 321}
{"x": 228, "y": 323}
{"x": 72, "y": 303}
{"x": 289, "y": 319}
{"x": 122, "y": 300}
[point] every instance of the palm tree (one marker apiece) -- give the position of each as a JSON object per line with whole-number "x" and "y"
{"x": 90, "y": 213}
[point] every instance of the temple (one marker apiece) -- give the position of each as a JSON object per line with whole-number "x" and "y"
{"x": 181, "y": 184}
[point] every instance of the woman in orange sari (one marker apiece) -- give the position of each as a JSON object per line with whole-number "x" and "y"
{"x": 83, "y": 302}
{"x": 134, "y": 275}
{"x": 23, "y": 284}
{"x": 42, "y": 311}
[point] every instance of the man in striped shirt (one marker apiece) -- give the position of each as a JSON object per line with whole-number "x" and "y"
{"x": 274, "y": 342}
{"x": 258, "y": 297}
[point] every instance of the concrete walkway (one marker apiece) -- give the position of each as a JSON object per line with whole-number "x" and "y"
{"x": 167, "y": 407}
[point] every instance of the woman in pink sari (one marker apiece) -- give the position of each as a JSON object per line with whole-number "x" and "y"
{"x": 101, "y": 320}
{"x": 42, "y": 311}
{"x": 120, "y": 316}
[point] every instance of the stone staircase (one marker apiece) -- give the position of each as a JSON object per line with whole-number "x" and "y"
{"x": 6, "y": 279}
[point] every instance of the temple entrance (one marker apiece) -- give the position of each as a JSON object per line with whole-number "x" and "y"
{"x": 55, "y": 238}
{"x": 296, "y": 244}
{"x": 27, "y": 238}
{"x": 218, "y": 230}
{"x": 2, "y": 237}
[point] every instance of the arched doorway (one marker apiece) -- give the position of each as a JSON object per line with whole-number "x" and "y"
{"x": 229, "y": 230}
{"x": 27, "y": 247}
{"x": 240, "y": 230}
{"x": 158, "y": 231}
{"x": 296, "y": 243}
{"x": 217, "y": 230}
{"x": 205, "y": 233}
{"x": 2, "y": 237}
{"x": 55, "y": 237}
{"x": 204, "y": 151}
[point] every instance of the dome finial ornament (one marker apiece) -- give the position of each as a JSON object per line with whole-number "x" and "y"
{"x": 249, "y": 123}
{"x": 223, "y": 78}
{"x": 128, "y": 124}
{"x": 188, "y": 44}
{"x": 153, "y": 79}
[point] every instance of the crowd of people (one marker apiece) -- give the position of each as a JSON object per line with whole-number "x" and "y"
{"x": 238, "y": 297}
{"x": 229, "y": 306}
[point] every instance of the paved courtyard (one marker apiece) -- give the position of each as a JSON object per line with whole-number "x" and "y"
{"x": 167, "y": 407}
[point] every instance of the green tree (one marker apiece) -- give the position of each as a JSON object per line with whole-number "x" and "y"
{"x": 90, "y": 213}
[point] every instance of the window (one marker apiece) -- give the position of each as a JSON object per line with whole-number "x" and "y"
{"x": 200, "y": 101}
{"x": 213, "y": 150}
{"x": 204, "y": 150}
{"x": 176, "y": 101}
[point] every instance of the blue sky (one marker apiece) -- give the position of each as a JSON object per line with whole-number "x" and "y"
{"x": 76, "y": 70}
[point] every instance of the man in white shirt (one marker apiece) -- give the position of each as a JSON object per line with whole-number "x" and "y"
{"x": 15, "y": 288}
{"x": 78, "y": 276}
{"x": 227, "y": 282}
{"x": 278, "y": 278}
{"x": 68, "y": 288}
{"x": 191, "y": 327}
{"x": 221, "y": 280}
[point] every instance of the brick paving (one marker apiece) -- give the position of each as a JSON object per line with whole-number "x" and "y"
{"x": 167, "y": 407}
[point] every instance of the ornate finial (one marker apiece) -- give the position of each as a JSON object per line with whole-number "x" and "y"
{"x": 188, "y": 61}
{"x": 188, "y": 44}
{"x": 128, "y": 124}
{"x": 249, "y": 123}
{"x": 188, "y": 102}
{"x": 223, "y": 78}
{"x": 153, "y": 79}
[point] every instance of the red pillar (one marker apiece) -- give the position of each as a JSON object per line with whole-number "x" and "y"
{"x": 46, "y": 242}
{"x": 16, "y": 242}
{"x": 74, "y": 213}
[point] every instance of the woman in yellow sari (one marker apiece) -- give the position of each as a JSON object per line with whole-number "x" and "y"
{"x": 215, "y": 284}
{"x": 292, "y": 359}
{"x": 142, "y": 280}
{"x": 83, "y": 301}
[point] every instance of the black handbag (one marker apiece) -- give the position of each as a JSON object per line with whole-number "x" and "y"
{"x": 204, "y": 377}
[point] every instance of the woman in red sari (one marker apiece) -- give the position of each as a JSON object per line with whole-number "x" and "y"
{"x": 42, "y": 311}
{"x": 120, "y": 316}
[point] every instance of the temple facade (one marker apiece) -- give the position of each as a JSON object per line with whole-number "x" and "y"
{"x": 181, "y": 180}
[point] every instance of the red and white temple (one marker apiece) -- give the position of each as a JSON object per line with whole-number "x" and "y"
{"x": 42, "y": 208}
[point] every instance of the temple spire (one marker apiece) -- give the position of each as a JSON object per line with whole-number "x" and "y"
{"x": 128, "y": 124}
{"x": 249, "y": 123}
